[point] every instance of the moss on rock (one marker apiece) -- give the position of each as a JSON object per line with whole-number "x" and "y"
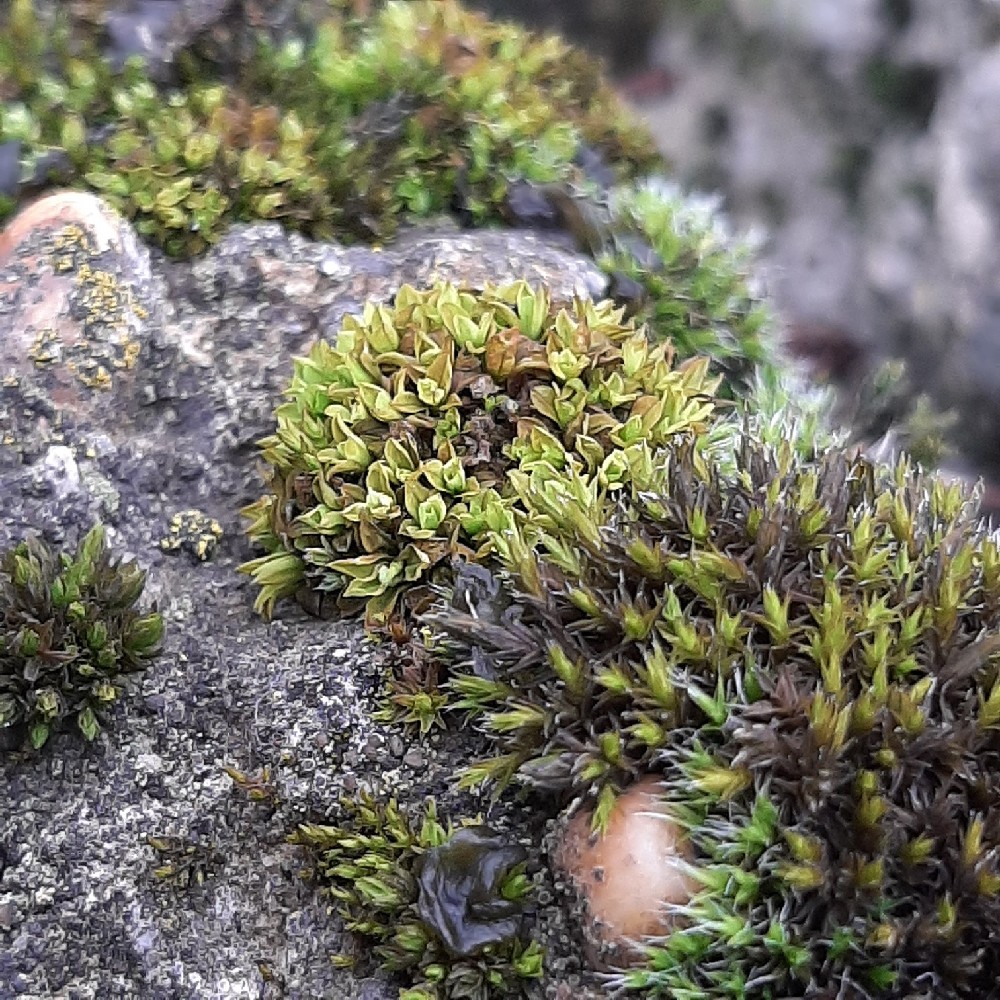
{"x": 401, "y": 445}
{"x": 364, "y": 122}
{"x": 806, "y": 653}
{"x": 421, "y": 108}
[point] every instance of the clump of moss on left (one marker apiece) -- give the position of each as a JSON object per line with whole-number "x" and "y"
{"x": 70, "y": 633}
{"x": 445, "y": 907}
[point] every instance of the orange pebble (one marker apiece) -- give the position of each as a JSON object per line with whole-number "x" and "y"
{"x": 628, "y": 874}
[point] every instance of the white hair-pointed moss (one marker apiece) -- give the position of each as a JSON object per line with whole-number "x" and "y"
{"x": 805, "y": 651}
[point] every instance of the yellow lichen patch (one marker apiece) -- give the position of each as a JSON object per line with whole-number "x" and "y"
{"x": 102, "y": 295}
{"x": 93, "y": 375}
{"x": 88, "y": 317}
{"x": 70, "y": 246}
{"x": 193, "y": 531}
{"x": 106, "y": 305}
{"x": 46, "y": 347}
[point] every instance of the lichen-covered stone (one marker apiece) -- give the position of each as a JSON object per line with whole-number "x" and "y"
{"x": 75, "y": 295}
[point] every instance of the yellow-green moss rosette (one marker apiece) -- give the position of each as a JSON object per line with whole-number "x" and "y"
{"x": 405, "y": 442}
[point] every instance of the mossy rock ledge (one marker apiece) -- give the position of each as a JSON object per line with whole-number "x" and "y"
{"x": 164, "y": 456}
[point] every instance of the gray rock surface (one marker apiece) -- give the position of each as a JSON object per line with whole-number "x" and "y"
{"x": 82, "y": 916}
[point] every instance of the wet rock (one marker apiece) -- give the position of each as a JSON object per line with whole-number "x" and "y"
{"x": 460, "y": 891}
{"x": 629, "y": 875}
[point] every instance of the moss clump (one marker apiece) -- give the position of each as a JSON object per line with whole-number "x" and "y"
{"x": 806, "y": 653}
{"x": 692, "y": 285}
{"x": 183, "y": 863}
{"x": 405, "y": 444}
{"x": 421, "y": 108}
{"x": 418, "y": 109}
{"x": 69, "y": 633}
{"x": 445, "y": 907}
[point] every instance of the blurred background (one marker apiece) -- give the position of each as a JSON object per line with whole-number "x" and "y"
{"x": 860, "y": 141}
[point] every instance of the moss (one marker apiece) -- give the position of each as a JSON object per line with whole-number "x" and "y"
{"x": 444, "y": 907}
{"x": 401, "y": 445}
{"x": 806, "y": 653}
{"x": 184, "y": 864}
{"x": 421, "y": 108}
{"x": 412, "y": 110}
{"x": 69, "y": 634}
{"x": 695, "y": 288}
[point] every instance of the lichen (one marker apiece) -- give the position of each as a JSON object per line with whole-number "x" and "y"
{"x": 444, "y": 906}
{"x": 194, "y": 532}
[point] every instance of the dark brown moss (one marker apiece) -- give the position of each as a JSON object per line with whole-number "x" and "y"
{"x": 70, "y": 633}
{"x": 806, "y": 653}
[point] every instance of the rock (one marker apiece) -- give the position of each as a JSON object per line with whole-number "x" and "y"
{"x": 968, "y": 204}
{"x": 628, "y": 876}
{"x": 844, "y": 31}
{"x": 80, "y": 909}
{"x": 75, "y": 298}
{"x": 863, "y": 146}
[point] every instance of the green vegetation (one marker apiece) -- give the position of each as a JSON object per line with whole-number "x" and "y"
{"x": 421, "y": 109}
{"x": 69, "y": 634}
{"x": 444, "y": 906}
{"x": 408, "y": 442}
{"x": 806, "y": 652}
{"x": 692, "y": 276}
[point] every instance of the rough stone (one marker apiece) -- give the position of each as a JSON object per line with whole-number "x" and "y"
{"x": 860, "y": 139}
{"x": 81, "y": 912}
